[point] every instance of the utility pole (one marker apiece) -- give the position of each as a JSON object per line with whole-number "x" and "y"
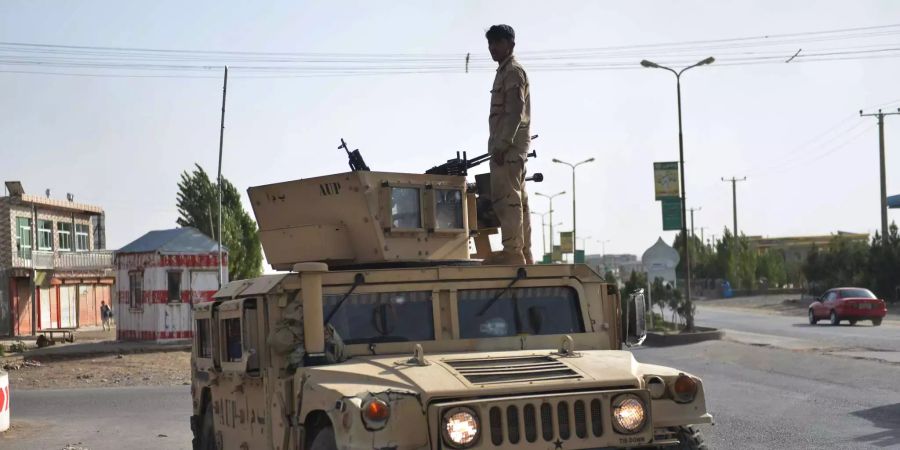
{"x": 702, "y": 238}
{"x": 573, "y": 167}
{"x": 543, "y": 229}
{"x": 884, "y": 219}
{"x": 693, "y": 235}
{"x": 734, "y": 181}
{"x": 221, "y": 138}
{"x": 550, "y": 198}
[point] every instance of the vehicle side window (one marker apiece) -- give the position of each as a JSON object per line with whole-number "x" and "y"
{"x": 251, "y": 334}
{"x": 231, "y": 329}
{"x": 830, "y": 296}
{"x": 204, "y": 339}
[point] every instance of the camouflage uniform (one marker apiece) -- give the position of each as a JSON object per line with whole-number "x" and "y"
{"x": 509, "y": 121}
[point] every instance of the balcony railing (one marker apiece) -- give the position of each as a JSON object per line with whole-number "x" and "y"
{"x": 88, "y": 260}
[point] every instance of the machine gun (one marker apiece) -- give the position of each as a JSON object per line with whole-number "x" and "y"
{"x": 355, "y": 157}
{"x": 461, "y": 166}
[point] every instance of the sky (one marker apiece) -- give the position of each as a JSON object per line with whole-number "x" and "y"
{"x": 793, "y": 129}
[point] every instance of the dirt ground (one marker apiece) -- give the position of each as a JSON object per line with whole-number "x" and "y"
{"x": 137, "y": 369}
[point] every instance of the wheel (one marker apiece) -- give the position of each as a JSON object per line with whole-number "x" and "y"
{"x": 852, "y": 322}
{"x": 834, "y": 318}
{"x": 689, "y": 438}
{"x": 205, "y": 439}
{"x": 876, "y": 322}
{"x": 812, "y": 317}
{"x": 324, "y": 440}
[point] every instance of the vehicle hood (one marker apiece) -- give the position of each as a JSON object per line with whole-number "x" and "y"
{"x": 455, "y": 375}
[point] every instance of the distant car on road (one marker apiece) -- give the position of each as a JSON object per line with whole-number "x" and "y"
{"x": 847, "y": 303}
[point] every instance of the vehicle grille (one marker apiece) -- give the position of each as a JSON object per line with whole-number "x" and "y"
{"x": 512, "y": 370}
{"x": 563, "y": 419}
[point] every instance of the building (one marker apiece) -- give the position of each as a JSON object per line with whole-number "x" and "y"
{"x": 620, "y": 265}
{"x": 159, "y": 278}
{"x": 796, "y": 248}
{"x": 54, "y": 271}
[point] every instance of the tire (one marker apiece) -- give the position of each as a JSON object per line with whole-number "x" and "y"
{"x": 834, "y": 319}
{"x": 324, "y": 440}
{"x": 876, "y": 322}
{"x": 852, "y": 322}
{"x": 812, "y": 317}
{"x": 205, "y": 439}
{"x": 689, "y": 438}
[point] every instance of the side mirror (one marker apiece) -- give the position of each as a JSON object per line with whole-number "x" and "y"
{"x": 635, "y": 319}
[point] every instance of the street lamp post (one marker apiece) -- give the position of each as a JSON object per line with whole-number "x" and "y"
{"x": 543, "y": 228}
{"x": 550, "y": 197}
{"x": 687, "y": 253}
{"x": 584, "y": 243}
{"x": 573, "y": 166}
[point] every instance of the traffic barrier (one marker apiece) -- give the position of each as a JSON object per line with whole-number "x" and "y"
{"x": 4, "y": 400}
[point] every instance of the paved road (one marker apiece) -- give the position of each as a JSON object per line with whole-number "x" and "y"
{"x": 770, "y": 398}
{"x": 99, "y": 419}
{"x": 861, "y": 336}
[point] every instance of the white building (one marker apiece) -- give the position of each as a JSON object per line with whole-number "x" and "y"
{"x": 159, "y": 277}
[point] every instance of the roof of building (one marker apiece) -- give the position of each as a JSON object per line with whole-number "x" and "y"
{"x": 894, "y": 201}
{"x": 177, "y": 240}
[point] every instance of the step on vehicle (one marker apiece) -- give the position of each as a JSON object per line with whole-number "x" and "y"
{"x": 385, "y": 332}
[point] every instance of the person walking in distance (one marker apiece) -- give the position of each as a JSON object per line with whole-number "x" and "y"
{"x": 509, "y": 123}
{"x": 105, "y": 315}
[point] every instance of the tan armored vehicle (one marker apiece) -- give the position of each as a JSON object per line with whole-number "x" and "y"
{"x": 385, "y": 334}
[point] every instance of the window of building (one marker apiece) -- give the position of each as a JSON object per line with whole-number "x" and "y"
{"x": 81, "y": 237}
{"x": 204, "y": 339}
{"x": 135, "y": 289}
{"x": 233, "y": 344}
{"x": 64, "y": 230}
{"x": 174, "y": 284}
{"x": 23, "y": 237}
{"x": 45, "y": 235}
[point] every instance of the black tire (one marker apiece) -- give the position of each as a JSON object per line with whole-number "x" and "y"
{"x": 205, "y": 439}
{"x": 324, "y": 440}
{"x": 812, "y": 317}
{"x": 852, "y": 322}
{"x": 876, "y": 322}
{"x": 689, "y": 438}
{"x": 834, "y": 318}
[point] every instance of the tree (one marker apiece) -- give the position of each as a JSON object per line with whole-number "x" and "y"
{"x": 884, "y": 264}
{"x": 198, "y": 207}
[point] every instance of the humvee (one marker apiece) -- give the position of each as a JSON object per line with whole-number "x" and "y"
{"x": 385, "y": 332}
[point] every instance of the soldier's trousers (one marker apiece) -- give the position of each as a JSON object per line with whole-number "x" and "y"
{"x": 510, "y": 203}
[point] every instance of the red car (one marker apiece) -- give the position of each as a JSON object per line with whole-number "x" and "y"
{"x": 851, "y": 304}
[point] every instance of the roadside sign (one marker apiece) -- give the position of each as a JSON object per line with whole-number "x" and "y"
{"x": 671, "y": 214}
{"x": 557, "y": 254}
{"x": 565, "y": 241}
{"x": 665, "y": 180}
{"x": 579, "y": 256}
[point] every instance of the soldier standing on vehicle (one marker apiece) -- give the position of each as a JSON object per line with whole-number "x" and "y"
{"x": 509, "y": 122}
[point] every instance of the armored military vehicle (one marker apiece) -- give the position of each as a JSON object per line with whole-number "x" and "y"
{"x": 385, "y": 332}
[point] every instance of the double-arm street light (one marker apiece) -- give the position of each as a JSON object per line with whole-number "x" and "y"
{"x": 550, "y": 211}
{"x": 573, "y": 166}
{"x": 684, "y": 237}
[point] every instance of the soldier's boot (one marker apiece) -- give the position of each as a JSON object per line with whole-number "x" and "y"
{"x": 504, "y": 258}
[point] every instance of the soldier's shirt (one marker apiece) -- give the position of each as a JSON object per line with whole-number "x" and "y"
{"x": 510, "y": 116}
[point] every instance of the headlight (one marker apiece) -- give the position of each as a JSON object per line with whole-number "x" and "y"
{"x": 629, "y": 414}
{"x": 375, "y": 413}
{"x": 460, "y": 427}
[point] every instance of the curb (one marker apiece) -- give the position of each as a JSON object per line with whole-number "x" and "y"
{"x": 668, "y": 340}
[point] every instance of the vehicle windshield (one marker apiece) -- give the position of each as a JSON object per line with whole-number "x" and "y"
{"x": 382, "y": 317}
{"x": 856, "y": 293}
{"x": 537, "y": 311}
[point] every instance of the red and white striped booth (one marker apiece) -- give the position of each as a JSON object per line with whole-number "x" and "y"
{"x": 159, "y": 277}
